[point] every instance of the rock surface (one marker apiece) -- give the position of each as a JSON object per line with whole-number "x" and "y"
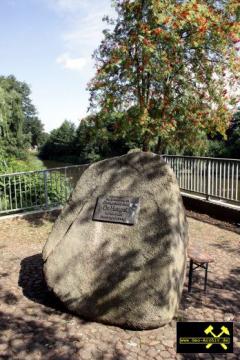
{"x": 125, "y": 275}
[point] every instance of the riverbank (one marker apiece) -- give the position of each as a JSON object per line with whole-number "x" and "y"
{"x": 35, "y": 162}
{"x": 30, "y": 163}
{"x": 51, "y": 164}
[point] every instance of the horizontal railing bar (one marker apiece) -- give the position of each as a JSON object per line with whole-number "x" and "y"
{"x": 22, "y": 209}
{"x": 201, "y": 157}
{"x": 213, "y": 179}
{"x": 214, "y": 197}
{"x": 43, "y": 171}
{"x": 28, "y": 207}
{"x": 220, "y": 176}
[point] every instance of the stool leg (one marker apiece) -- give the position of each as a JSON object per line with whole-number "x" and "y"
{"x": 206, "y": 274}
{"x": 190, "y": 276}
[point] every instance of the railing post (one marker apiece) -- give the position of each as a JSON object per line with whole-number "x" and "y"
{"x": 65, "y": 184}
{"x": 46, "y": 188}
{"x": 208, "y": 180}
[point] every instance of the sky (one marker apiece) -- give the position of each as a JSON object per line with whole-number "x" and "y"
{"x": 48, "y": 44}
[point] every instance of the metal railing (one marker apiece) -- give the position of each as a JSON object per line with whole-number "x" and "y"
{"x": 33, "y": 190}
{"x": 210, "y": 178}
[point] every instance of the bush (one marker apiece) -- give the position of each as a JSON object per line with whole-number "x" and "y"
{"x": 217, "y": 148}
{"x": 27, "y": 191}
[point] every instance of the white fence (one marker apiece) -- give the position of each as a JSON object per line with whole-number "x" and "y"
{"x": 210, "y": 178}
{"x": 33, "y": 190}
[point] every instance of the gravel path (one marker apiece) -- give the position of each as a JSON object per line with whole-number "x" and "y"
{"x": 33, "y": 325}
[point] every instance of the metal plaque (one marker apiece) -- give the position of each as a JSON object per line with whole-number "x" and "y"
{"x": 115, "y": 209}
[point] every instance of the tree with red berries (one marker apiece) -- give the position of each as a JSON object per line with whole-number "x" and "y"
{"x": 172, "y": 66}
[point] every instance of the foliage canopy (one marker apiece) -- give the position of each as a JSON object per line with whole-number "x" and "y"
{"x": 19, "y": 124}
{"x": 169, "y": 64}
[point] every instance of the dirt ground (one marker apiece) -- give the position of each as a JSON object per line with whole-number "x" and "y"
{"x": 33, "y": 325}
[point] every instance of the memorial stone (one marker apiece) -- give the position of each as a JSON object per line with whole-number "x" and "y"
{"x": 117, "y": 253}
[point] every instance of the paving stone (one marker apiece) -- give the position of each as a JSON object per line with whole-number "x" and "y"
{"x": 145, "y": 347}
{"x": 131, "y": 344}
{"x": 204, "y": 356}
{"x": 141, "y": 357}
{"x": 165, "y": 355}
{"x": 160, "y": 347}
{"x": 154, "y": 343}
{"x": 168, "y": 343}
{"x": 37, "y": 328}
{"x": 152, "y": 353}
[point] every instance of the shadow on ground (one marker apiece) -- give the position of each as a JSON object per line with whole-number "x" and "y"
{"x": 45, "y": 330}
{"x": 37, "y": 220}
{"x": 39, "y": 334}
{"x": 33, "y": 284}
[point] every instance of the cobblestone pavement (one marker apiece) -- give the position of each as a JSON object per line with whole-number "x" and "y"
{"x": 33, "y": 325}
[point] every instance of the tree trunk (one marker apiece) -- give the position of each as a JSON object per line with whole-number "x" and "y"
{"x": 146, "y": 146}
{"x": 159, "y": 147}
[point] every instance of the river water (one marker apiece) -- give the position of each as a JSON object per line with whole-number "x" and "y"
{"x": 50, "y": 164}
{"x": 73, "y": 174}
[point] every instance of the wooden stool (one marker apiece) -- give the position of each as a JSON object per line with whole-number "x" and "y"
{"x": 200, "y": 259}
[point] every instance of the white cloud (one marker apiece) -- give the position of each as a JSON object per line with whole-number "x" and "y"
{"x": 80, "y": 24}
{"x": 82, "y": 21}
{"x": 71, "y": 63}
{"x": 81, "y": 31}
{"x": 86, "y": 31}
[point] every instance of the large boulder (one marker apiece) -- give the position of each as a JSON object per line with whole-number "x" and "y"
{"x": 121, "y": 274}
